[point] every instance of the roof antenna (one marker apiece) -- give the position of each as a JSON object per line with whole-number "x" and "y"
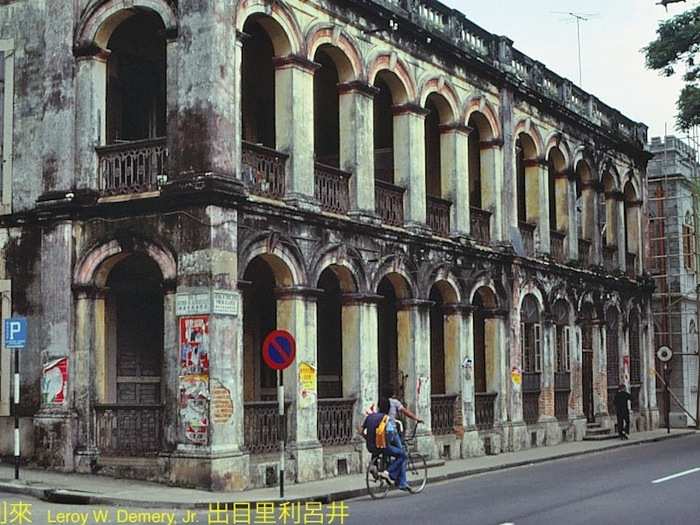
{"x": 580, "y": 17}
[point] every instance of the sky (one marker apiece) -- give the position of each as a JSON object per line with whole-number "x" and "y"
{"x": 612, "y": 64}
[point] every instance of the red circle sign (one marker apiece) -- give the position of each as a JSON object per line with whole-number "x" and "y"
{"x": 279, "y": 349}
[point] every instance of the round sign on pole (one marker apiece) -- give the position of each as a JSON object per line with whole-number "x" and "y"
{"x": 279, "y": 349}
{"x": 664, "y": 354}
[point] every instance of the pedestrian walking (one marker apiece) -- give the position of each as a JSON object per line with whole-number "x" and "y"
{"x": 622, "y": 400}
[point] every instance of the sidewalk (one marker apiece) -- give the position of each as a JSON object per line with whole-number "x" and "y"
{"x": 103, "y": 490}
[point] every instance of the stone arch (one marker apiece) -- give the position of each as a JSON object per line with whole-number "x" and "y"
{"x": 486, "y": 117}
{"x": 529, "y": 129}
{"x": 347, "y": 266}
{"x": 485, "y": 283}
{"x": 630, "y": 189}
{"x": 446, "y": 94}
{"x": 560, "y": 293}
{"x": 341, "y": 47}
{"x": 283, "y": 257}
{"x": 584, "y": 170}
{"x": 400, "y": 79}
{"x": 98, "y": 24}
{"x": 279, "y": 22}
{"x": 441, "y": 273}
{"x": 94, "y": 267}
{"x": 535, "y": 289}
{"x": 393, "y": 268}
{"x": 557, "y": 142}
{"x": 610, "y": 179}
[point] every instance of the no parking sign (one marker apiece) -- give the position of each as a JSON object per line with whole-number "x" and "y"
{"x": 279, "y": 349}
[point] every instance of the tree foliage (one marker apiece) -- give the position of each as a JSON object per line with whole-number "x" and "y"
{"x": 677, "y": 43}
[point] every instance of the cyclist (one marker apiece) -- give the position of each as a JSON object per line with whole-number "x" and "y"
{"x": 396, "y": 409}
{"x": 379, "y": 441}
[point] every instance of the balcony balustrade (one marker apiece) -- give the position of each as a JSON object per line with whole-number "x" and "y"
{"x": 132, "y": 167}
{"x": 527, "y": 233}
{"x": 485, "y": 409}
{"x": 480, "y": 225}
{"x": 335, "y": 421}
{"x": 331, "y": 188}
{"x": 128, "y": 430}
{"x": 556, "y": 240}
{"x": 438, "y": 215}
{"x": 264, "y": 170}
{"x": 442, "y": 413}
{"x": 389, "y": 202}
{"x": 584, "y": 252}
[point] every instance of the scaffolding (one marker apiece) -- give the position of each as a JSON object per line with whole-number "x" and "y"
{"x": 673, "y": 264}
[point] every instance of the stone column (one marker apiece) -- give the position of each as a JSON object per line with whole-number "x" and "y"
{"x": 90, "y": 117}
{"x": 414, "y": 362}
{"x": 492, "y": 187}
{"x": 454, "y": 145}
{"x": 409, "y": 163}
{"x": 591, "y": 221}
{"x": 209, "y": 267}
{"x": 571, "y": 244}
{"x": 647, "y": 395}
{"x": 296, "y": 313}
{"x": 543, "y": 226}
{"x": 518, "y": 429}
{"x": 576, "y": 365}
{"x": 600, "y": 370}
{"x": 294, "y": 123}
{"x": 459, "y": 373}
{"x": 56, "y": 429}
{"x": 203, "y": 86}
{"x": 360, "y": 355}
{"x": 620, "y": 225}
{"x": 547, "y": 383}
{"x": 357, "y": 146}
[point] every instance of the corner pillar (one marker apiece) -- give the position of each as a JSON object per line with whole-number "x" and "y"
{"x": 409, "y": 162}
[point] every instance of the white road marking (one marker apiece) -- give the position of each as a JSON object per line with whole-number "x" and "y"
{"x": 678, "y": 475}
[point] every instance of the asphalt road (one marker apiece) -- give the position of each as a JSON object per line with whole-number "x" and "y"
{"x": 616, "y": 487}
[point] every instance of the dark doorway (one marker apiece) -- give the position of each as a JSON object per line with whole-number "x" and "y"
{"x": 326, "y": 110}
{"x": 329, "y": 336}
{"x": 437, "y": 343}
{"x": 588, "y": 408}
{"x": 383, "y": 133}
{"x": 388, "y": 338}
{"x": 259, "y": 319}
{"x": 479, "y": 320}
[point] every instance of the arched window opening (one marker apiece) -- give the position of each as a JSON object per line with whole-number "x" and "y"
{"x": 587, "y": 316}
{"x": 485, "y": 343}
{"x": 326, "y": 110}
{"x": 632, "y": 225}
{"x": 257, "y": 86}
{"x": 562, "y": 369}
{"x": 612, "y": 356}
{"x": 136, "y": 79}
{"x": 558, "y": 205}
{"x": 433, "y": 181}
{"x": 474, "y": 151}
{"x": 133, "y": 330}
{"x": 437, "y": 343}
{"x": 520, "y": 181}
{"x": 436, "y": 182}
{"x": 383, "y": 132}
{"x": 608, "y": 217}
{"x": 259, "y": 319}
{"x": 531, "y": 355}
{"x": 329, "y": 336}
{"x": 527, "y": 190}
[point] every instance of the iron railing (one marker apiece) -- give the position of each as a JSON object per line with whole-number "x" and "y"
{"x": 630, "y": 264}
{"x": 531, "y": 407}
{"x": 264, "y": 170}
{"x": 335, "y": 421}
{"x": 527, "y": 233}
{"x": 332, "y": 188}
{"x": 389, "y": 202}
{"x": 562, "y": 388}
{"x": 610, "y": 258}
{"x": 442, "y": 413}
{"x": 132, "y": 167}
{"x": 480, "y": 225}
{"x": 556, "y": 240}
{"x": 438, "y": 215}
{"x": 261, "y": 426}
{"x": 584, "y": 252}
{"x": 485, "y": 409}
{"x": 128, "y": 430}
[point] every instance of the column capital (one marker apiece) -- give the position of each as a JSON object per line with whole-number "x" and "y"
{"x": 89, "y": 291}
{"x": 458, "y": 308}
{"x": 409, "y": 108}
{"x": 349, "y": 299}
{"x": 169, "y": 286}
{"x": 298, "y": 292}
{"x": 495, "y": 313}
{"x": 615, "y": 195}
{"x": 540, "y": 162}
{"x": 295, "y": 61}
{"x": 634, "y": 203}
{"x": 358, "y": 86}
{"x": 455, "y": 126}
{"x": 491, "y": 144}
{"x": 91, "y": 52}
{"x": 418, "y": 304}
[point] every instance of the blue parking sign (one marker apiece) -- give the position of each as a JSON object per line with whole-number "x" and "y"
{"x": 15, "y": 332}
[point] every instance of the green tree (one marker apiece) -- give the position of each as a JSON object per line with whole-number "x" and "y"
{"x": 677, "y": 43}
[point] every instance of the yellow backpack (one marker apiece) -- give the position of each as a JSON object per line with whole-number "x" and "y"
{"x": 380, "y": 433}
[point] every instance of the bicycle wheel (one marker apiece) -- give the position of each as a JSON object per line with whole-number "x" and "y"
{"x": 376, "y": 486}
{"x": 416, "y": 473}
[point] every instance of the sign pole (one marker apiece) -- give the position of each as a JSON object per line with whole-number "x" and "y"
{"x": 16, "y": 410}
{"x": 282, "y": 433}
{"x": 667, "y": 400}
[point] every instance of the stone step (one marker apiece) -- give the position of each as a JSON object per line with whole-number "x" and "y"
{"x": 597, "y": 431}
{"x": 593, "y": 425}
{"x": 599, "y": 437}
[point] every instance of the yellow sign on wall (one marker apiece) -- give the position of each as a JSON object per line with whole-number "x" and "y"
{"x": 307, "y": 384}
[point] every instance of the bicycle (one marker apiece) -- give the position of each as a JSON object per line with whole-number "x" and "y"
{"x": 416, "y": 469}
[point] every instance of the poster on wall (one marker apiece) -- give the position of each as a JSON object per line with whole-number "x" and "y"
{"x": 54, "y": 381}
{"x": 194, "y": 408}
{"x": 307, "y": 384}
{"x": 194, "y": 378}
{"x": 194, "y": 345}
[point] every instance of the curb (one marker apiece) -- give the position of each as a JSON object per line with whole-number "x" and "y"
{"x": 74, "y": 497}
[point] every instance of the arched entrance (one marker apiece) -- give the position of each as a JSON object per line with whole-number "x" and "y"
{"x": 562, "y": 363}
{"x": 486, "y": 370}
{"x": 613, "y": 356}
{"x": 587, "y": 315}
{"x": 129, "y": 409}
{"x": 531, "y": 357}
{"x": 393, "y": 288}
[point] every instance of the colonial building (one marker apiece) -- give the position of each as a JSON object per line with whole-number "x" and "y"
{"x": 423, "y": 206}
{"x": 673, "y": 175}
